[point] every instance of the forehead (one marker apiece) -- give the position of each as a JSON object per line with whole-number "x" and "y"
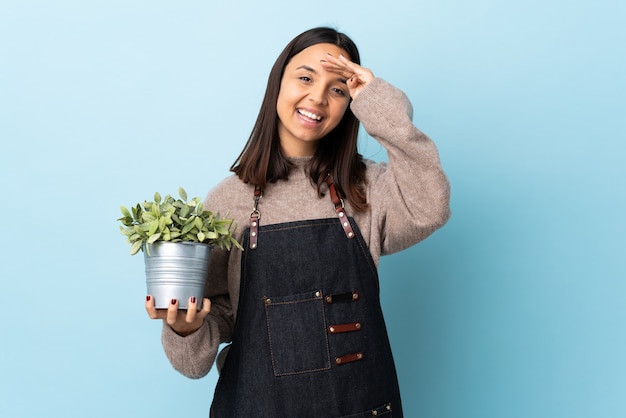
{"x": 315, "y": 53}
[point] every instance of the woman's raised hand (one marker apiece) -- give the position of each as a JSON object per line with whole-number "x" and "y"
{"x": 357, "y": 77}
{"x": 182, "y": 322}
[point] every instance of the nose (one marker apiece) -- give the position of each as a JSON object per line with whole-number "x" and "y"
{"x": 317, "y": 95}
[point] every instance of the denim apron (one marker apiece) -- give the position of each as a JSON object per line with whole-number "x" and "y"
{"x": 310, "y": 338}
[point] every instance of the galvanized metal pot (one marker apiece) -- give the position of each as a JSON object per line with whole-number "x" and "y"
{"x": 176, "y": 270}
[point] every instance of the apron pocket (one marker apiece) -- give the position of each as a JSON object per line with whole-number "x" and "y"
{"x": 296, "y": 329}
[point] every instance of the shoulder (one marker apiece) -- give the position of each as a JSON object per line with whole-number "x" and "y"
{"x": 228, "y": 183}
{"x": 231, "y": 198}
{"x": 228, "y": 192}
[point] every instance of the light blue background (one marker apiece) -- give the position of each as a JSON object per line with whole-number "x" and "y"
{"x": 514, "y": 310}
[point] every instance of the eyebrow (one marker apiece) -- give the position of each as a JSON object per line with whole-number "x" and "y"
{"x": 306, "y": 67}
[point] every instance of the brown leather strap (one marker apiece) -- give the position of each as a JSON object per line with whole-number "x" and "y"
{"x": 339, "y": 207}
{"x": 348, "y": 358}
{"x": 254, "y": 218}
{"x": 339, "y": 328}
{"x": 254, "y": 231}
{"x": 335, "y": 197}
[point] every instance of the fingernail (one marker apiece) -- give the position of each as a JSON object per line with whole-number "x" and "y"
{"x": 193, "y": 299}
{"x": 322, "y": 60}
{"x": 148, "y": 298}
{"x": 173, "y": 302}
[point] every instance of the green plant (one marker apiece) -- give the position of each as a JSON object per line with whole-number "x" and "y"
{"x": 175, "y": 220}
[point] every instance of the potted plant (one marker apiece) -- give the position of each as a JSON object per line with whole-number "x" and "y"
{"x": 176, "y": 237}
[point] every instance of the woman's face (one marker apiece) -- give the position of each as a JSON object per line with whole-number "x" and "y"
{"x": 311, "y": 100}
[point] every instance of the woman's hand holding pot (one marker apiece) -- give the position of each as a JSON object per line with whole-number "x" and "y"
{"x": 182, "y": 322}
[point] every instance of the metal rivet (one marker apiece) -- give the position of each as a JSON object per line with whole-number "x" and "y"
{"x": 345, "y": 224}
{"x": 253, "y": 234}
{"x": 268, "y": 301}
{"x": 355, "y": 296}
{"x": 253, "y": 223}
{"x": 359, "y": 356}
{"x": 253, "y": 246}
{"x": 357, "y": 325}
{"x": 329, "y": 299}
{"x": 338, "y": 360}
{"x": 350, "y": 234}
{"x": 341, "y": 214}
{"x": 332, "y": 329}
{"x": 374, "y": 413}
{"x": 317, "y": 294}
{"x": 388, "y": 407}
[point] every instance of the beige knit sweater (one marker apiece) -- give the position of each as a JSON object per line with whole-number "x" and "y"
{"x": 408, "y": 197}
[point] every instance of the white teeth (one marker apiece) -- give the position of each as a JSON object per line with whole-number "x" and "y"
{"x": 309, "y": 114}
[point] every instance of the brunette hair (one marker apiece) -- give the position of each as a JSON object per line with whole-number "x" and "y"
{"x": 262, "y": 160}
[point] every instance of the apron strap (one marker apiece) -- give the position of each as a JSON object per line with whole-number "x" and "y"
{"x": 339, "y": 207}
{"x": 254, "y": 217}
{"x": 335, "y": 197}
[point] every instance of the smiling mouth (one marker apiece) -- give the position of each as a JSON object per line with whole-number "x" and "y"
{"x": 309, "y": 115}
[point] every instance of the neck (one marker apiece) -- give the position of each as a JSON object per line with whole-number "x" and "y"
{"x": 304, "y": 150}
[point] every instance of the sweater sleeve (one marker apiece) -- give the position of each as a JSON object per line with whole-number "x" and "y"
{"x": 410, "y": 196}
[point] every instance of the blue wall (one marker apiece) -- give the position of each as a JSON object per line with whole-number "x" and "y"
{"x": 514, "y": 309}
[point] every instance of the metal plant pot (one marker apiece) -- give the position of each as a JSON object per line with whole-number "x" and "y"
{"x": 176, "y": 270}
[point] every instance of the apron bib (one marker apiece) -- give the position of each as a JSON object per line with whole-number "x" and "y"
{"x": 310, "y": 338}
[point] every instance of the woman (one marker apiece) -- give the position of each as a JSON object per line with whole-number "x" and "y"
{"x": 300, "y": 305}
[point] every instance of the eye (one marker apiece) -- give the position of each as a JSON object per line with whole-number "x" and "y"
{"x": 338, "y": 91}
{"x": 305, "y": 78}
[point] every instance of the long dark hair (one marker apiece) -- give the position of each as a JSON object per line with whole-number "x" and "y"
{"x": 262, "y": 160}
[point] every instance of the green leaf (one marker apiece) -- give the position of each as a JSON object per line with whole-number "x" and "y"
{"x": 153, "y": 238}
{"x": 137, "y": 211}
{"x": 200, "y": 236}
{"x": 134, "y": 249}
{"x": 127, "y": 231}
{"x": 153, "y": 226}
{"x": 222, "y": 230}
{"x": 182, "y": 193}
{"x": 157, "y": 197}
{"x": 188, "y": 227}
{"x": 184, "y": 211}
{"x": 127, "y": 221}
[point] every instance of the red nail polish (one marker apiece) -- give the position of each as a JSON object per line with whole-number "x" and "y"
{"x": 148, "y": 298}
{"x": 173, "y": 301}
{"x": 193, "y": 299}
